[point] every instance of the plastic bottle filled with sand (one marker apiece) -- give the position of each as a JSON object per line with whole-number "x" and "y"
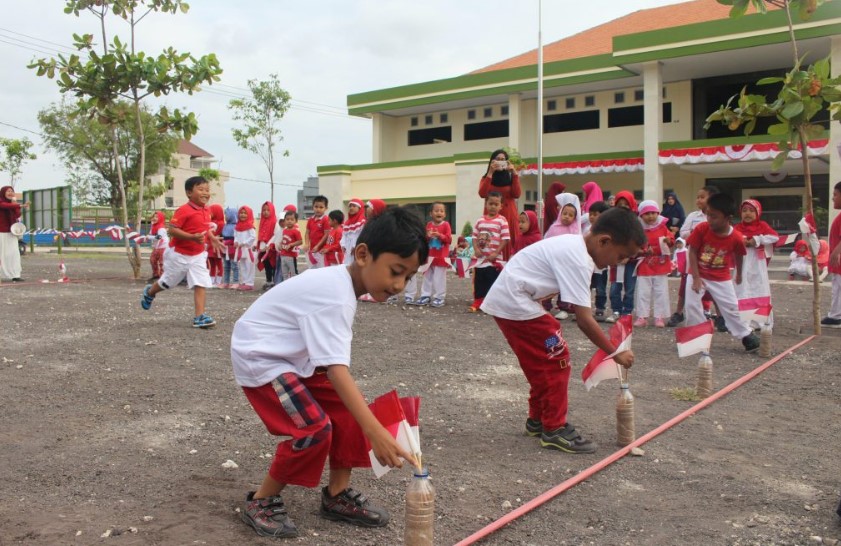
{"x": 765, "y": 336}
{"x": 625, "y": 430}
{"x": 704, "y": 385}
{"x": 420, "y": 510}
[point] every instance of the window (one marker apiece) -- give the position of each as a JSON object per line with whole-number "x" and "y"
{"x": 619, "y": 97}
{"x": 168, "y": 202}
{"x": 434, "y": 135}
{"x": 638, "y": 95}
{"x": 667, "y": 112}
{"x": 413, "y": 122}
{"x": 486, "y": 129}
{"x": 572, "y": 121}
{"x": 570, "y": 103}
{"x": 471, "y": 114}
{"x": 503, "y": 110}
{"x": 625, "y": 116}
{"x": 427, "y": 119}
{"x": 443, "y": 118}
{"x": 664, "y": 92}
{"x": 551, "y": 105}
{"x": 590, "y": 100}
{"x": 488, "y": 112}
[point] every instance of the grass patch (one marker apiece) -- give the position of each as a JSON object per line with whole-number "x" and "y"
{"x": 684, "y": 394}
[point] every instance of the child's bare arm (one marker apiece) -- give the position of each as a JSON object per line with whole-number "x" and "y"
{"x": 384, "y": 445}
{"x": 588, "y": 325}
{"x": 318, "y": 246}
{"x": 739, "y": 260}
{"x": 697, "y": 284}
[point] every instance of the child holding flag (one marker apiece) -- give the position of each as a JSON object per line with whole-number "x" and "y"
{"x": 759, "y": 237}
{"x": 559, "y": 265}
{"x": 713, "y": 246}
{"x": 298, "y": 379}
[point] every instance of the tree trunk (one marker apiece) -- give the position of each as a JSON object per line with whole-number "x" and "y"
{"x": 141, "y": 179}
{"x": 133, "y": 260}
{"x": 816, "y": 282}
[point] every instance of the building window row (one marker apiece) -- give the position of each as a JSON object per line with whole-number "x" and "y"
{"x": 429, "y": 119}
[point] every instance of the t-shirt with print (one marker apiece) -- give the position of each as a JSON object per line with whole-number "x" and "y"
{"x": 834, "y": 241}
{"x": 439, "y": 247}
{"x": 290, "y": 235}
{"x": 193, "y": 219}
{"x": 489, "y": 234}
{"x": 317, "y": 226}
{"x": 300, "y": 324}
{"x": 558, "y": 265}
{"x": 715, "y": 251}
{"x": 332, "y": 249}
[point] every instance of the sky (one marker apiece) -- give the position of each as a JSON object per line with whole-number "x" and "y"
{"x": 321, "y": 50}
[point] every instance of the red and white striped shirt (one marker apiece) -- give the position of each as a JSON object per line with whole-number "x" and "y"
{"x": 488, "y": 234}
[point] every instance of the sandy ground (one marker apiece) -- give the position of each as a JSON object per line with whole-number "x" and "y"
{"x": 117, "y": 421}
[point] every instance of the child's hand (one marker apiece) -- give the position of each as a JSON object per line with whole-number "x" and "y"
{"x": 199, "y": 237}
{"x": 697, "y": 285}
{"x": 492, "y": 257}
{"x": 625, "y": 358}
{"x": 386, "y": 450}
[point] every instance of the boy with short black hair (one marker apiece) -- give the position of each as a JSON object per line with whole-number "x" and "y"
{"x": 290, "y": 240}
{"x": 713, "y": 246}
{"x": 833, "y": 317}
{"x": 332, "y": 248}
{"x": 560, "y": 265}
{"x": 189, "y": 231}
{"x": 491, "y": 235}
{"x": 298, "y": 379}
{"x": 318, "y": 227}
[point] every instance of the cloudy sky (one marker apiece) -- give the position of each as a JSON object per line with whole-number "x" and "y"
{"x": 322, "y": 51}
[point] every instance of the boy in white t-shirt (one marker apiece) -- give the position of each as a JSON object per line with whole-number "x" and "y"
{"x": 560, "y": 265}
{"x": 291, "y": 356}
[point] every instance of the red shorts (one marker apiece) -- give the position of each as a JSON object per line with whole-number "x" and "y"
{"x": 311, "y": 412}
{"x": 544, "y": 358}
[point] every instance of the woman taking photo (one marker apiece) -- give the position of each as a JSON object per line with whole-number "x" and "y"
{"x": 501, "y": 177}
{"x": 10, "y": 211}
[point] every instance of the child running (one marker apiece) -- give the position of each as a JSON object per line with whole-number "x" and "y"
{"x": 562, "y": 265}
{"x": 244, "y": 240}
{"x": 833, "y": 318}
{"x": 189, "y": 231}
{"x": 332, "y": 249}
{"x": 490, "y": 237}
{"x": 654, "y": 267}
{"x": 161, "y": 242}
{"x": 298, "y": 380}
{"x": 318, "y": 226}
{"x": 759, "y": 239}
{"x": 713, "y": 246}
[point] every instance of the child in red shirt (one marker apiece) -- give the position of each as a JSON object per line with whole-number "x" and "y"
{"x": 833, "y": 318}
{"x": 318, "y": 227}
{"x": 190, "y": 234}
{"x": 332, "y": 248}
{"x": 713, "y": 247}
{"x": 439, "y": 234}
{"x": 290, "y": 240}
{"x": 654, "y": 268}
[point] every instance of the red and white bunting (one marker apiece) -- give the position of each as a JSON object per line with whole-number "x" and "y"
{"x": 736, "y": 152}
{"x": 594, "y": 166}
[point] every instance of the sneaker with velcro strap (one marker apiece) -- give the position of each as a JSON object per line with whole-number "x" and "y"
{"x": 566, "y": 439}
{"x": 534, "y": 427}
{"x": 268, "y": 517}
{"x": 146, "y": 298}
{"x": 353, "y": 507}
{"x": 203, "y": 321}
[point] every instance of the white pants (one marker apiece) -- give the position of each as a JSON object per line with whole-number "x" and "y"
{"x": 247, "y": 269}
{"x": 724, "y": 294}
{"x": 177, "y": 266}
{"x": 835, "y": 303}
{"x": 9, "y": 257}
{"x": 435, "y": 283}
{"x": 652, "y": 288}
{"x": 319, "y": 260}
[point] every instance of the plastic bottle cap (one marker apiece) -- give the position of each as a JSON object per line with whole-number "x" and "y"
{"x": 422, "y": 473}
{"x": 624, "y": 386}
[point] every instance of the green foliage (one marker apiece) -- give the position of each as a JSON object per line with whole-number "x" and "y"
{"x": 260, "y": 115}
{"x": 514, "y": 158}
{"x": 13, "y": 154}
{"x": 684, "y": 394}
{"x": 804, "y": 8}
{"x": 209, "y": 174}
{"x": 467, "y": 230}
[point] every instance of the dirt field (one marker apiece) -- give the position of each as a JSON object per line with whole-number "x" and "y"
{"x": 117, "y": 422}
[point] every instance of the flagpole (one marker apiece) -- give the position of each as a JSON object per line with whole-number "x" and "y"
{"x": 539, "y": 200}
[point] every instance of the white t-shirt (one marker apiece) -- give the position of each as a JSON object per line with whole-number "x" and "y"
{"x": 556, "y": 265}
{"x": 693, "y": 219}
{"x": 302, "y": 323}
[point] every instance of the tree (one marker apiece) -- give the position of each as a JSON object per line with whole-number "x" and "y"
{"x": 803, "y": 94}
{"x": 13, "y": 154}
{"x": 261, "y": 115}
{"x": 103, "y": 81}
{"x": 85, "y": 146}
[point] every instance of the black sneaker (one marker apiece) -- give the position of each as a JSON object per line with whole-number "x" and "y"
{"x": 534, "y": 427}
{"x": 674, "y": 320}
{"x": 353, "y": 507}
{"x": 750, "y": 342}
{"x": 268, "y": 517}
{"x": 599, "y": 315}
{"x": 831, "y": 322}
{"x": 719, "y": 323}
{"x": 566, "y": 439}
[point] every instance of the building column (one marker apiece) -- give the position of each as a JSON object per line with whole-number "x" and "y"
{"x": 834, "y": 128}
{"x": 652, "y": 129}
{"x": 514, "y": 120}
{"x": 377, "y": 138}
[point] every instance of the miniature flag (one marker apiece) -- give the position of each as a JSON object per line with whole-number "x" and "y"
{"x": 665, "y": 249}
{"x": 787, "y": 240}
{"x": 694, "y": 339}
{"x": 680, "y": 261}
{"x": 389, "y": 411}
{"x": 422, "y": 269}
{"x": 464, "y": 265}
{"x": 602, "y": 366}
{"x": 755, "y": 309}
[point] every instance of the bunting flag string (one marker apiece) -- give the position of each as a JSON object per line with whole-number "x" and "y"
{"x": 117, "y": 233}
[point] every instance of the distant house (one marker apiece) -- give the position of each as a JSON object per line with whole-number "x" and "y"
{"x": 624, "y": 104}
{"x": 189, "y": 160}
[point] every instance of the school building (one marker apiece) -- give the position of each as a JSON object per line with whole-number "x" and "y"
{"x": 624, "y": 104}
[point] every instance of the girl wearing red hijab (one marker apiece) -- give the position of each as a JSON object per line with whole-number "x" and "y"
{"x": 374, "y": 207}
{"x": 245, "y": 237}
{"x": 214, "y": 257}
{"x": 501, "y": 177}
{"x": 10, "y": 211}
{"x": 352, "y": 227}
{"x": 550, "y": 204}
{"x": 759, "y": 239}
{"x": 266, "y": 253}
{"x": 592, "y": 194}
{"x": 529, "y": 231}
{"x": 161, "y": 242}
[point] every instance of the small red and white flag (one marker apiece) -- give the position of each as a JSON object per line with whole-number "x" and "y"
{"x": 755, "y": 309}
{"x": 399, "y": 416}
{"x": 464, "y": 265}
{"x": 602, "y": 366}
{"x": 787, "y": 240}
{"x": 694, "y": 339}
